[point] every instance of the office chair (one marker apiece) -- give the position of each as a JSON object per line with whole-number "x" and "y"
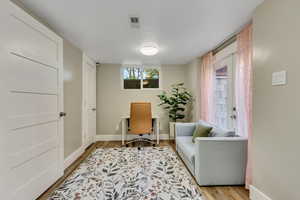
{"x": 140, "y": 123}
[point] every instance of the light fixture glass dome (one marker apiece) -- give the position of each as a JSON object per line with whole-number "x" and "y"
{"x": 149, "y": 49}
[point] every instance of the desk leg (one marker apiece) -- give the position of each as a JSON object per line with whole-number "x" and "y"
{"x": 123, "y": 131}
{"x": 157, "y": 130}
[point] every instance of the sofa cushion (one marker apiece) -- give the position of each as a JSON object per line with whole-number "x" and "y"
{"x": 216, "y": 131}
{"x": 187, "y": 147}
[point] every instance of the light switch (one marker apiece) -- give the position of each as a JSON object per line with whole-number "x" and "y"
{"x": 279, "y": 78}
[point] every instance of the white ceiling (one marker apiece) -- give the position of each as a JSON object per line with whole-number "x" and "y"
{"x": 183, "y": 29}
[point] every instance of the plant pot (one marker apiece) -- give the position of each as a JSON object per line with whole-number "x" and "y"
{"x": 172, "y": 130}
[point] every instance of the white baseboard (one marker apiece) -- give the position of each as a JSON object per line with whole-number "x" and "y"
{"x": 129, "y": 137}
{"x": 256, "y": 194}
{"x": 71, "y": 158}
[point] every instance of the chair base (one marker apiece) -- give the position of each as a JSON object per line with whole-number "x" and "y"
{"x": 139, "y": 140}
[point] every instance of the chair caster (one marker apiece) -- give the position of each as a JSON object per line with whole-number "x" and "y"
{"x": 139, "y": 148}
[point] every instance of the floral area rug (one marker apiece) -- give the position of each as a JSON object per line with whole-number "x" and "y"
{"x": 129, "y": 174}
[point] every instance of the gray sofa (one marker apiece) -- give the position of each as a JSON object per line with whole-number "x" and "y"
{"x": 216, "y": 160}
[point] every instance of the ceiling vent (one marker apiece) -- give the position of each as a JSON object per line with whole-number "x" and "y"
{"x": 134, "y": 22}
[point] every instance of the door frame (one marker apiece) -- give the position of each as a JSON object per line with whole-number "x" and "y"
{"x": 229, "y": 53}
{"x": 85, "y": 59}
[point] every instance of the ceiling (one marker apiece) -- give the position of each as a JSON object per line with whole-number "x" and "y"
{"x": 183, "y": 29}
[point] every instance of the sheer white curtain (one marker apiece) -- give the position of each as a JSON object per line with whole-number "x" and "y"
{"x": 207, "y": 88}
{"x": 243, "y": 86}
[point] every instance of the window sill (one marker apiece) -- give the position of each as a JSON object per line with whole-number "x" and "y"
{"x": 141, "y": 90}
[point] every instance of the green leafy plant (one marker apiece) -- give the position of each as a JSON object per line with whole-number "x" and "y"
{"x": 176, "y": 102}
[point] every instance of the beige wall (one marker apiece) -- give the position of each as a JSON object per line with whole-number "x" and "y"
{"x": 193, "y": 85}
{"x": 113, "y": 102}
{"x": 72, "y": 97}
{"x": 276, "y": 113}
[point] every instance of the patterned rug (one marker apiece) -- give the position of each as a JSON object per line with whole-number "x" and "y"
{"x": 128, "y": 174}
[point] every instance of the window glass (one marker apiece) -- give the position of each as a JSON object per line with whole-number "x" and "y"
{"x": 221, "y": 97}
{"x": 151, "y": 78}
{"x": 132, "y": 77}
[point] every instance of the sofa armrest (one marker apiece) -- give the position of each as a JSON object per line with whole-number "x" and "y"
{"x": 221, "y": 161}
{"x": 184, "y": 129}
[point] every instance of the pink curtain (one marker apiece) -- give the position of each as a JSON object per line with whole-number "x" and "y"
{"x": 243, "y": 87}
{"x": 206, "y": 87}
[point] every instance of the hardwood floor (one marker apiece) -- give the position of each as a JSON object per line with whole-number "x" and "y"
{"x": 210, "y": 193}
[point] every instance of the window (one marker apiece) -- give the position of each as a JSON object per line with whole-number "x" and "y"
{"x": 140, "y": 77}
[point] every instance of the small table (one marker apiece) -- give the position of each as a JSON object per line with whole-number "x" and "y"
{"x": 124, "y": 123}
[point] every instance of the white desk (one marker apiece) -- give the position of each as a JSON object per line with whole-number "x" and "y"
{"x": 124, "y": 129}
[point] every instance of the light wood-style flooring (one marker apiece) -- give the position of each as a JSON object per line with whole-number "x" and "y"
{"x": 210, "y": 193}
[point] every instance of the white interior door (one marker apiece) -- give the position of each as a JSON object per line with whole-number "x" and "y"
{"x": 89, "y": 101}
{"x": 31, "y": 131}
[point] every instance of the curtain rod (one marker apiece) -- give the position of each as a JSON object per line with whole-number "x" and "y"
{"x": 224, "y": 44}
{"x": 229, "y": 40}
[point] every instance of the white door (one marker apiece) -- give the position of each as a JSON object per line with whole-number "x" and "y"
{"x": 90, "y": 110}
{"x": 31, "y": 131}
{"x": 224, "y": 92}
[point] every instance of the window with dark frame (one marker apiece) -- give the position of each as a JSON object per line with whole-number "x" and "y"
{"x": 141, "y": 77}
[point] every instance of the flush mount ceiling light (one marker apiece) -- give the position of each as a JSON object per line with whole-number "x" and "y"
{"x": 149, "y": 49}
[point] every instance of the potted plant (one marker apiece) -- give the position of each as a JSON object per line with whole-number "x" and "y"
{"x": 175, "y": 103}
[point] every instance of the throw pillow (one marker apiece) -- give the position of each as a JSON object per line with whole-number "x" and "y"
{"x": 201, "y": 131}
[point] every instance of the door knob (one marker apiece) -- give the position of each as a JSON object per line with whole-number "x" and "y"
{"x": 233, "y": 116}
{"x": 62, "y": 114}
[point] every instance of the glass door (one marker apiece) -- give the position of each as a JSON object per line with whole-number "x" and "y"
{"x": 224, "y": 98}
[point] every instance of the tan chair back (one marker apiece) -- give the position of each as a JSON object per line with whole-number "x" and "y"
{"x": 140, "y": 118}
